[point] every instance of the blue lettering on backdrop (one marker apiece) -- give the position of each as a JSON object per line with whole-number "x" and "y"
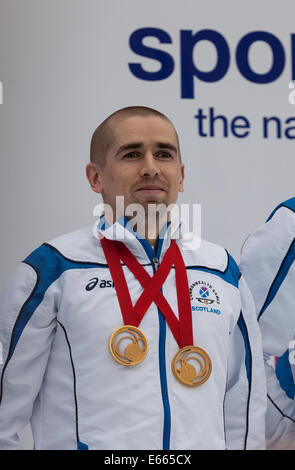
{"x": 276, "y": 127}
{"x": 165, "y": 59}
{"x": 207, "y": 124}
{"x": 278, "y": 55}
{"x": 188, "y": 68}
{"x": 190, "y": 71}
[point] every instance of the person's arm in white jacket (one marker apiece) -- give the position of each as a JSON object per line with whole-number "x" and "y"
{"x": 267, "y": 262}
{"x": 27, "y": 326}
{"x": 245, "y": 398}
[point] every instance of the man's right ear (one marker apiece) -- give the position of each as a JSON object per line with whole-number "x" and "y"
{"x": 93, "y": 174}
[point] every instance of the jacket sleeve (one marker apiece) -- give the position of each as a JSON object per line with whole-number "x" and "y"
{"x": 27, "y": 326}
{"x": 245, "y": 397}
{"x": 267, "y": 262}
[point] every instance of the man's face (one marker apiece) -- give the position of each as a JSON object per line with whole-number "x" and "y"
{"x": 142, "y": 163}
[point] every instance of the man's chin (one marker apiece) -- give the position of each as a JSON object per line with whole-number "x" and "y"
{"x": 152, "y": 203}
{"x": 148, "y": 199}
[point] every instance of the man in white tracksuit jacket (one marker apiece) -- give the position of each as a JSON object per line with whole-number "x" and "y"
{"x": 60, "y": 308}
{"x": 267, "y": 262}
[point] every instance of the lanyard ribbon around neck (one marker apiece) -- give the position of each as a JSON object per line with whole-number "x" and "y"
{"x": 181, "y": 328}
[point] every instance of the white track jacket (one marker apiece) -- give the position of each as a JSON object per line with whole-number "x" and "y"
{"x": 267, "y": 262}
{"x": 57, "y": 313}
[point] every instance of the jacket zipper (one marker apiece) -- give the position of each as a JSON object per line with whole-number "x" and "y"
{"x": 163, "y": 375}
{"x": 154, "y": 259}
{"x": 156, "y": 263}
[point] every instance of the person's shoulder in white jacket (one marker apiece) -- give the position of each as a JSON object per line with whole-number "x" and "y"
{"x": 267, "y": 263}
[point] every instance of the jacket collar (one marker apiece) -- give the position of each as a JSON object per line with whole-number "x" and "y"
{"x": 122, "y": 231}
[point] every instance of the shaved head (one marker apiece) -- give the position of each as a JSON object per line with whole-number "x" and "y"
{"x": 104, "y": 134}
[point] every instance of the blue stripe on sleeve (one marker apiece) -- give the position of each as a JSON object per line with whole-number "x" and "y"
{"x": 231, "y": 274}
{"x": 280, "y": 276}
{"x": 49, "y": 264}
{"x": 284, "y": 374}
{"x": 82, "y": 446}
{"x": 248, "y": 360}
{"x": 248, "y": 365}
{"x": 290, "y": 204}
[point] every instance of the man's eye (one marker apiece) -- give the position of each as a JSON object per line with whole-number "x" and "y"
{"x": 131, "y": 155}
{"x": 164, "y": 155}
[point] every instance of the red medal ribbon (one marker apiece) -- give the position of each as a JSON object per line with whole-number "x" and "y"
{"x": 182, "y": 329}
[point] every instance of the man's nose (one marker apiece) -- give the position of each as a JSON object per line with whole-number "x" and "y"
{"x": 149, "y": 166}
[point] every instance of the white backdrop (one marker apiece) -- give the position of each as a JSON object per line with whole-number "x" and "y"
{"x": 64, "y": 67}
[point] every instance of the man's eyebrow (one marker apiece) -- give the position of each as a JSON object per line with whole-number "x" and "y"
{"x": 131, "y": 146}
{"x": 137, "y": 145}
{"x": 166, "y": 145}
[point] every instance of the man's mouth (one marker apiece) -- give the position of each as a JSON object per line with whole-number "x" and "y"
{"x": 150, "y": 189}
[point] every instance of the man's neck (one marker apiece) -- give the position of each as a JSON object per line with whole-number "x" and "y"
{"x": 152, "y": 230}
{"x": 147, "y": 227}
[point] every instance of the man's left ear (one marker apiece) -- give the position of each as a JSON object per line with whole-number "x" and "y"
{"x": 180, "y": 187}
{"x": 93, "y": 174}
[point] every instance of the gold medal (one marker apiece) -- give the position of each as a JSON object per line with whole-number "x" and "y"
{"x": 127, "y": 344}
{"x": 188, "y": 374}
{"x": 133, "y": 343}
